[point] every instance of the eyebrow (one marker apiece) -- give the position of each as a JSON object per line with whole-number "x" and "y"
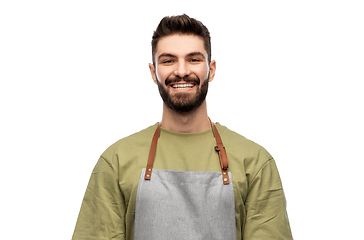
{"x": 188, "y": 55}
{"x": 196, "y": 54}
{"x": 166, "y": 55}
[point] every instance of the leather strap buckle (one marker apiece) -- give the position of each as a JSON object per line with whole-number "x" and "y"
{"x": 220, "y": 149}
{"x": 153, "y": 149}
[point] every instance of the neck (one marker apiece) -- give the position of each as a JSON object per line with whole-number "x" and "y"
{"x": 190, "y": 122}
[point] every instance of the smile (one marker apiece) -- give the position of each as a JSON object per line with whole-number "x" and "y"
{"x": 183, "y": 86}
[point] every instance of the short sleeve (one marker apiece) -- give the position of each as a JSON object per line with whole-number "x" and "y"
{"x": 266, "y": 206}
{"x": 102, "y": 214}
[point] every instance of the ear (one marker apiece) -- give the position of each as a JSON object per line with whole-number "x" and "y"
{"x": 212, "y": 70}
{"x": 152, "y": 72}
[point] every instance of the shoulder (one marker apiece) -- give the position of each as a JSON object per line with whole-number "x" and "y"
{"x": 138, "y": 140}
{"x": 236, "y": 141}
{"x": 242, "y": 152}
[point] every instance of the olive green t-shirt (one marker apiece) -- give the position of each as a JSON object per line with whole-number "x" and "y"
{"x": 108, "y": 208}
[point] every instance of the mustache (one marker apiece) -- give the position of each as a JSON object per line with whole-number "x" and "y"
{"x": 188, "y": 79}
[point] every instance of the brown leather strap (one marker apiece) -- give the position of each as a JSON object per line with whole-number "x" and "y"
{"x": 153, "y": 149}
{"x": 224, "y": 163}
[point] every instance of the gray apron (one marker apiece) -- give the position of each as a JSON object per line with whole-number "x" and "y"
{"x": 185, "y": 205}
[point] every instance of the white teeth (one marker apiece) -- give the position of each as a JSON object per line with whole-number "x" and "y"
{"x": 182, "y": 86}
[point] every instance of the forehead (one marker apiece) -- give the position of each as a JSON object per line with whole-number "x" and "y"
{"x": 180, "y": 45}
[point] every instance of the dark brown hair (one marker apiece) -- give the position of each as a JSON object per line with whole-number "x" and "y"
{"x": 181, "y": 24}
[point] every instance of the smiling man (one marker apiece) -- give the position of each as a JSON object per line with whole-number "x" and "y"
{"x": 182, "y": 71}
{"x": 185, "y": 177}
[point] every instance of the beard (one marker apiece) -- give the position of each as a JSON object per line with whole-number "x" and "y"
{"x": 183, "y": 102}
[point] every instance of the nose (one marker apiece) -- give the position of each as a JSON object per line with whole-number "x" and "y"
{"x": 182, "y": 69}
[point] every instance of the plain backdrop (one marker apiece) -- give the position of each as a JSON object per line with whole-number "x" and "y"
{"x": 75, "y": 79}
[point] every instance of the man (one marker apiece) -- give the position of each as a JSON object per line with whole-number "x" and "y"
{"x": 185, "y": 177}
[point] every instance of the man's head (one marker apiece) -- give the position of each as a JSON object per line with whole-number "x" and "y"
{"x": 182, "y": 25}
{"x": 181, "y": 62}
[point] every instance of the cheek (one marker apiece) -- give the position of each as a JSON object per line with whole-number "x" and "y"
{"x": 162, "y": 74}
{"x": 202, "y": 72}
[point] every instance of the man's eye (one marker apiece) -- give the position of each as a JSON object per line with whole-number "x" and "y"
{"x": 167, "y": 61}
{"x": 195, "y": 60}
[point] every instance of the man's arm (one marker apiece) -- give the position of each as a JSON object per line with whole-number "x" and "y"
{"x": 266, "y": 206}
{"x": 103, "y": 208}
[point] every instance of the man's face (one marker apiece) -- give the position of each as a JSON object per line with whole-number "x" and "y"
{"x": 182, "y": 71}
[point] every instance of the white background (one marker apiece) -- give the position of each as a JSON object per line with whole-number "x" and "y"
{"x": 75, "y": 79}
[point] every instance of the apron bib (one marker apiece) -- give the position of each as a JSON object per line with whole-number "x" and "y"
{"x": 185, "y": 205}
